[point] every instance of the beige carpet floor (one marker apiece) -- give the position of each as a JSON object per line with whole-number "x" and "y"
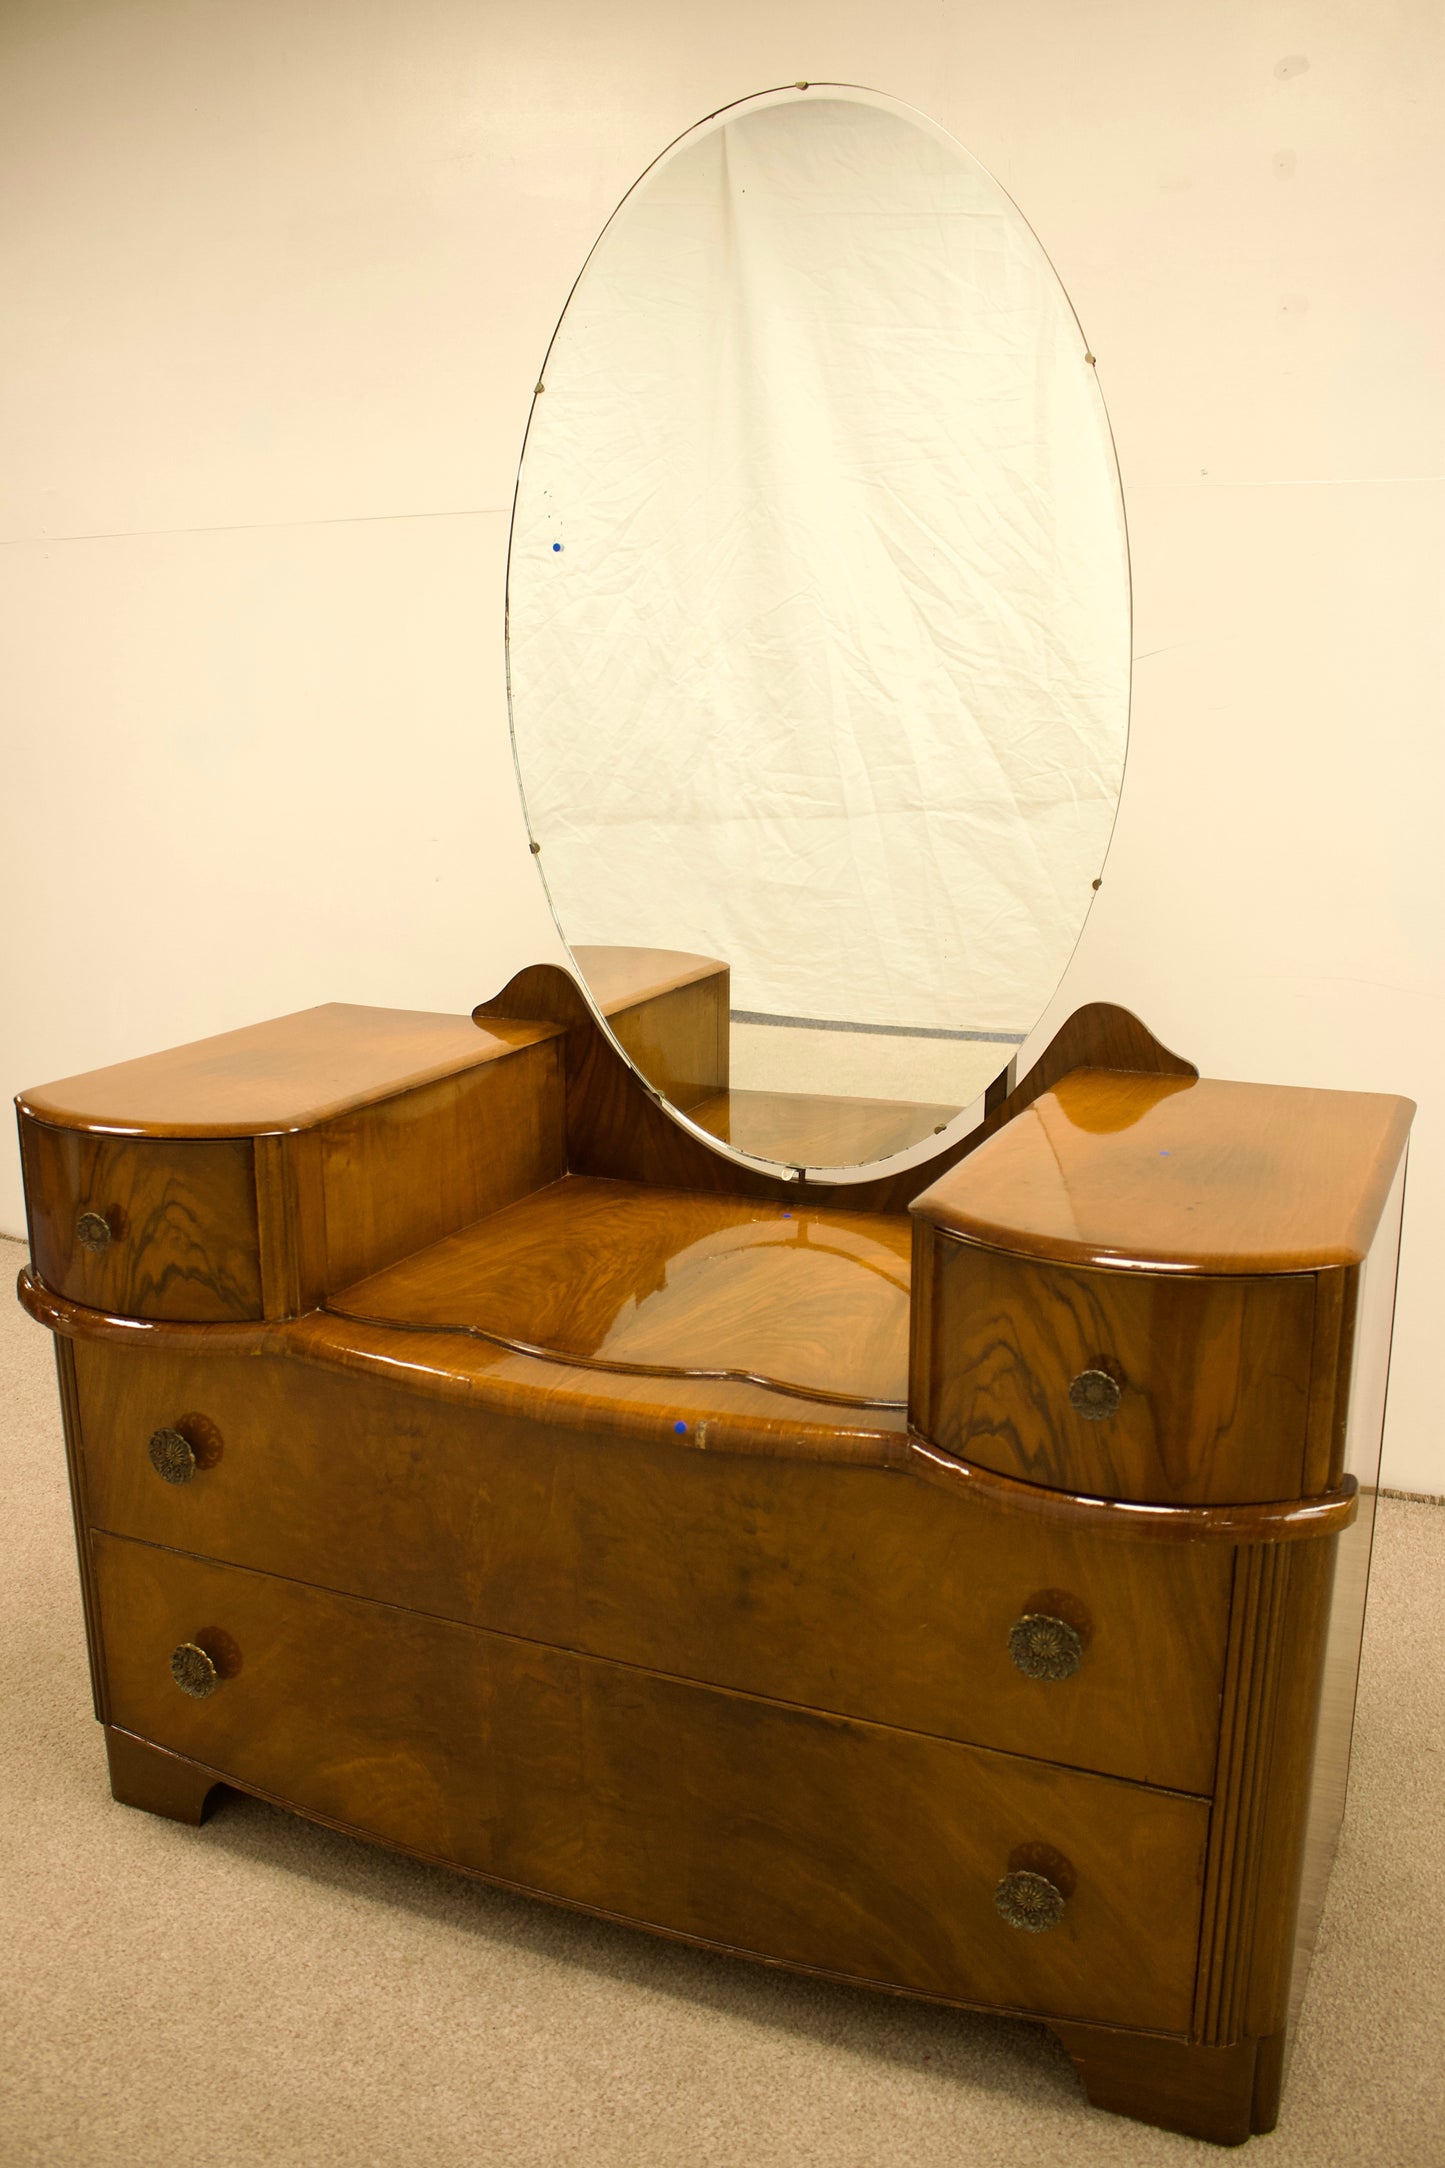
{"x": 263, "y": 1992}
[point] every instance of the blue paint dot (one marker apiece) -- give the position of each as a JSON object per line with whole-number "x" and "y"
{"x": 681, "y": 1429}
{"x": 787, "y": 1215}
{"x": 1164, "y": 1155}
{"x": 556, "y": 545}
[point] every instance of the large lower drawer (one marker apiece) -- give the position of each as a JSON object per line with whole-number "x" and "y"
{"x": 852, "y": 1589}
{"x": 845, "y": 1846}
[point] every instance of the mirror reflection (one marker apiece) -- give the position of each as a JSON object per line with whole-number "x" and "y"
{"x": 818, "y": 628}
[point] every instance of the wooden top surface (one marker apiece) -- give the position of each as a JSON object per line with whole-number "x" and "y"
{"x": 615, "y": 1274}
{"x": 618, "y": 978}
{"x": 286, "y": 1074}
{"x": 1114, "y": 1168}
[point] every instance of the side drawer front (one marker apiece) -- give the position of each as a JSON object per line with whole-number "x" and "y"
{"x": 1213, "y": 1377}
{"x": 824, "y": 1843}
{"x": 172, "y": 1225}
{"x": 857, "y": 1590}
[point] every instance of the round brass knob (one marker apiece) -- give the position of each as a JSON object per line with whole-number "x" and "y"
{"x": 1029, "y": 1901}
{"x": 1043, "y": 1647}
{"x": 194, "y": 1671}
{"x": 1093, "y": 1394}
{"x": 172, "y": 1456}
{"x": 92, "y": 1232}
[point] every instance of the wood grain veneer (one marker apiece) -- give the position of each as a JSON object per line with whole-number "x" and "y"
{"x": 717, "y": 1816}
{"x": 360, "y": 1134}
{"x": 597, "y": 1554}
{"x": 871, "y": 1596}
{"x": 618, "y": 1272}
{"x": 669, "y": 1013}
{"x": 1214, "y": 1375}
{"x": 290, "y": 1073}
{"x": 397, "y": 1175}
{"x": 182, "y": 1237}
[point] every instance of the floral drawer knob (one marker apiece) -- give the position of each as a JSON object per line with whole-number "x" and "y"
{"x": 1043, "y": 1647}
{"x": 194, "y": 1671}
{"x": 1093, "y": 1394}
{"x": 172, "y": 1456}
{"x": 1030, "y": 1902}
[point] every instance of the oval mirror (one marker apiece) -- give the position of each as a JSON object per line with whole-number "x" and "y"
{"x": 818, "y": 629}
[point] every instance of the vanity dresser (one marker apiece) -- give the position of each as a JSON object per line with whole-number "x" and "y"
{"x": 963, "y": 1601}
{"x": 915, "y": 1535}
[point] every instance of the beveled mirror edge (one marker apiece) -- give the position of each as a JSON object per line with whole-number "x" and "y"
{"x": 1044, "y": 1033}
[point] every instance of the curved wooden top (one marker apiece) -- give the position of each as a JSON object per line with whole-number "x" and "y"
{"x": 286, "y": 1074}
{"x": 614, "y": 1275}
{"x": 1177, "y": 1174}
{"x": 689, "y": 1414}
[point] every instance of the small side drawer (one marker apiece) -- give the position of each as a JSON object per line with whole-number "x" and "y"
{"x": 144, "y": 1228}
{"x": 1175, "y": 1388}
{"x": 881, "y": 1855}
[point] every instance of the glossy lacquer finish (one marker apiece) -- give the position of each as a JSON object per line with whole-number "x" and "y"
{"x": 1180, "y": 1174}
{"x": 875, "y": 1597}
{"x": 619, "y": 1273}
{"x": 556, "y": 1512}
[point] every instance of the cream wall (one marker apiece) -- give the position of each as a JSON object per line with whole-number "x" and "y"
{"x": 277, "y": 278}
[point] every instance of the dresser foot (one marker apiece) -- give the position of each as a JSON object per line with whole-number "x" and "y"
{"x": 147, "y": 1776}
{"x": 1224, "y": 2095}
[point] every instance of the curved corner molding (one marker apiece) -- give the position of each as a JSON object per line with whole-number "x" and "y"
{"x": 76, "y": 1321}
{"x": 1282, "y": 1520}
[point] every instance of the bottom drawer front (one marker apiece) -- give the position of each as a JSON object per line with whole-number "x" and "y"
{"x": 816, "y": 1840}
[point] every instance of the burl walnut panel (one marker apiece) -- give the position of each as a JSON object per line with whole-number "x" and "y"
{"x": 713, "y": 1815}
{"x": 1213, "y": 1374}
{"x": 178, "y": 1237}
{"x": 857, "y": 1590}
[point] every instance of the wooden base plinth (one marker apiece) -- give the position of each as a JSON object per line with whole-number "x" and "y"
{"x": 147, "y": 1776}
{"x": 1223, "y": 2095}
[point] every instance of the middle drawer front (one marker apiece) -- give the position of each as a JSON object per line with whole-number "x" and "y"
{"x": 850, "y": 1589}
{"x": 811, "y": 1839}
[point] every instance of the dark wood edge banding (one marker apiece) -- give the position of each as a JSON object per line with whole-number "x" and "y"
{"x": 1285, "y": 1520}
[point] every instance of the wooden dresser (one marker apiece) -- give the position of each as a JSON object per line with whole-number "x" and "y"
{"x": 951, "y": 1584}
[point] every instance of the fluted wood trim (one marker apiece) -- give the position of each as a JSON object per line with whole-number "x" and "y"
{"x": 1232, "y": 1865}
{"x": 75, "y": 1464}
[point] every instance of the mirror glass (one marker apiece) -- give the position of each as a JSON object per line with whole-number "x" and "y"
{"x": 818, "y": 628}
